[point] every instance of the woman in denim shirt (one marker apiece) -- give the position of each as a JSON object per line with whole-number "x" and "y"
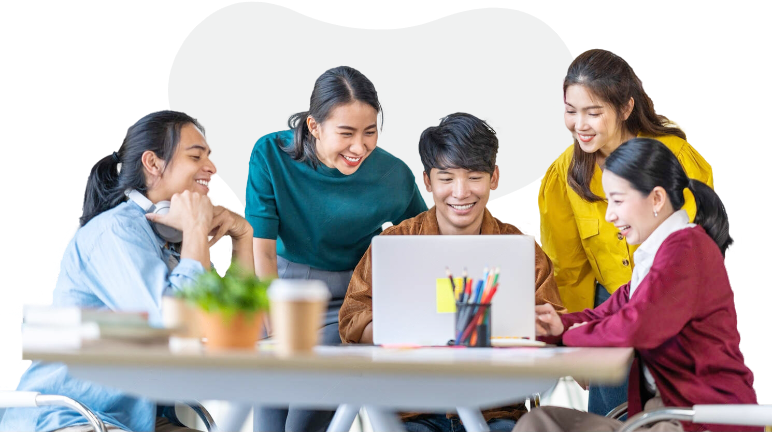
{"x": 123, "y": 259}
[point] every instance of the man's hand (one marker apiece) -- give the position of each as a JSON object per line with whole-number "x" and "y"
{"x": 548, "y": 322}
{"x": 191, "y": 213}
{"x": 225, "y": 222}
{"x": 188, "y": 212}
{"x": 367, "y": 334}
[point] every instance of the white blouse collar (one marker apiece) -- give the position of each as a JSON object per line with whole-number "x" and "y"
{"x": 677, "y": 221}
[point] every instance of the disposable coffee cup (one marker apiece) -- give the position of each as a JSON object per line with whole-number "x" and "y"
{"x": 180, "y": 317}
{"x": 297, "y": 313}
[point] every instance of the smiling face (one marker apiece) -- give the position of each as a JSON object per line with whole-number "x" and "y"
{"x": 460, "y": 196}
{"x": 346, "y": 137}
{"x": 593, "y": 123}
{"x": 190, "y": 168}
{"x": 633, "y": 212}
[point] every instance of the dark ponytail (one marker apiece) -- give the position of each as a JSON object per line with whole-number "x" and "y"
{"x": 301, "y": 148}
{"x": 647, "y": 163}
{"x": 711, "y": 214}
{"x": 158, "y": 132}
{"x": 337, "y": 86}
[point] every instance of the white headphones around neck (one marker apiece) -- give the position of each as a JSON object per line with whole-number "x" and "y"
{"x": 172, "y": 235}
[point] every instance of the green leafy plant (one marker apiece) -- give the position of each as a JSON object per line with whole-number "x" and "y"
{"x": 237, "y": 291}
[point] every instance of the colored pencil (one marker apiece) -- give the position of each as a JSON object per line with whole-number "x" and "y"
{"x": 452, "y": 284}
{"x": 464, "y": 275}
{"x": 477, "y": 317}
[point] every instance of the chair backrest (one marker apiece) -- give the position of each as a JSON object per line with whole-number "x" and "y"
{"x": 748, "y": 415}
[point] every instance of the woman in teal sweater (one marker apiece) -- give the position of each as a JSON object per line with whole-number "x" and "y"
{"x": 317, "y": 194}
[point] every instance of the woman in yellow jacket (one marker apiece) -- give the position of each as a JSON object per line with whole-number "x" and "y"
{"x": 605, "y": 105}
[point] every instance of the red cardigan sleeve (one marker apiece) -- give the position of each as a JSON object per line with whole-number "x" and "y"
{"x": 609, "y": 307}
{"x": 660, "y": 307}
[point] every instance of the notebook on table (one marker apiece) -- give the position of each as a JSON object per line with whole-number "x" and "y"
{"x": 406, "y": 270}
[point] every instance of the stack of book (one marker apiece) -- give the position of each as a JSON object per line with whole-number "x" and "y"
{"x": 48, "y": 327}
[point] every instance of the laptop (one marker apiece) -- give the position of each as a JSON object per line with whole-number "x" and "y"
{"x": 406, "y": 271}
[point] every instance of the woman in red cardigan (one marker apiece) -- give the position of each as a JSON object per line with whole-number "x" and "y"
{"x": 677, "y": 311}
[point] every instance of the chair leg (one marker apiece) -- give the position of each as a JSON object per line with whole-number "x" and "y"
{"x": 54, "y": 400}
{"x": 648, "y": 417}
{"x": 618, "y": 412}
{"x": 204, "y": 415}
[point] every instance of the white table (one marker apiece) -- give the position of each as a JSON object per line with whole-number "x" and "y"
{"x": 381, "y": 380}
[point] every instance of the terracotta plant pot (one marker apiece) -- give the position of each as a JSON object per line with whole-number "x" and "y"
{"x": 240, "y": 331}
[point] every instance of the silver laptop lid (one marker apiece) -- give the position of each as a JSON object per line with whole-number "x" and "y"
{"x": 405, "y": 274}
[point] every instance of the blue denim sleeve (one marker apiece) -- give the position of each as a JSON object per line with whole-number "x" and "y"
{"x": 116, "y": 261}
{"x": 127, "y": 270}
{"x": 186, "y": 272}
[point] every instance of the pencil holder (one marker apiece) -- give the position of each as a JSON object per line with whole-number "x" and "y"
{"x": 473, "y": 324}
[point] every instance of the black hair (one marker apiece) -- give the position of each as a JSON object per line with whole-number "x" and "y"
{"x": 610, "y": 78}
{"x": 337, "y": 86}
{"x": 460, "y": 141}
{"x": 158, "y": 132}
{"x": 647, "y": 163}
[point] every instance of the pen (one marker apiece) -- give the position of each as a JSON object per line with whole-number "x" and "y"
{"x": 485, "y": 276}
{"x": 452, "y": 285}
{"x": 467, "y": 313}
{"x": 469, "y": 327}
{"x": 489, "y": 295}
{"x": 463, "y": 287}
{"x": 475, "y": 297}
{"x": 465, "y": 291}
{"x": 493, "y": 278}
{"x": 471, "y": 316}
{"x": 479, "y": 316}
{"x": 489, "y": 299}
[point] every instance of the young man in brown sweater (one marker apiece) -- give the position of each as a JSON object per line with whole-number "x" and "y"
{"x": 459, "y": 158}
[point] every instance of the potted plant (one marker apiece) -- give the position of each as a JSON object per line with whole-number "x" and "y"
{"x": 231, "y": 308}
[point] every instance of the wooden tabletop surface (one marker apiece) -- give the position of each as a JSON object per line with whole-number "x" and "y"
{"x": 592, "y": 363}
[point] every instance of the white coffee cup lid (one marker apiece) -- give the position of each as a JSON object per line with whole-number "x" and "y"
{"x": 298, "y": 290}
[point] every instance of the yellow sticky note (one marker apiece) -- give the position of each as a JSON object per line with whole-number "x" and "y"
{"x": 446, "y": 302}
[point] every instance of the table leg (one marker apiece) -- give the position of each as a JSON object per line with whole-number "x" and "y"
{"x": 384, "y": 420}
{"x": 473, "y": 420}
{"x": 234, "y": 417}
{"x": 344, "y": 418}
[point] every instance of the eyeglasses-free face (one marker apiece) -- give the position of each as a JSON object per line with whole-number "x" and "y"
{"x": 594, "y": 123}
{"x": 460, "y": 196}
{"x": 632, "y": 212}
{"x": 346, "y": 137}
{"x": 189, "y": 169}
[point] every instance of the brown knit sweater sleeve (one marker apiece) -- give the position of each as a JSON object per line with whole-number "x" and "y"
{"x": 546, "y": 288}
{"x": 357, "y": 309}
